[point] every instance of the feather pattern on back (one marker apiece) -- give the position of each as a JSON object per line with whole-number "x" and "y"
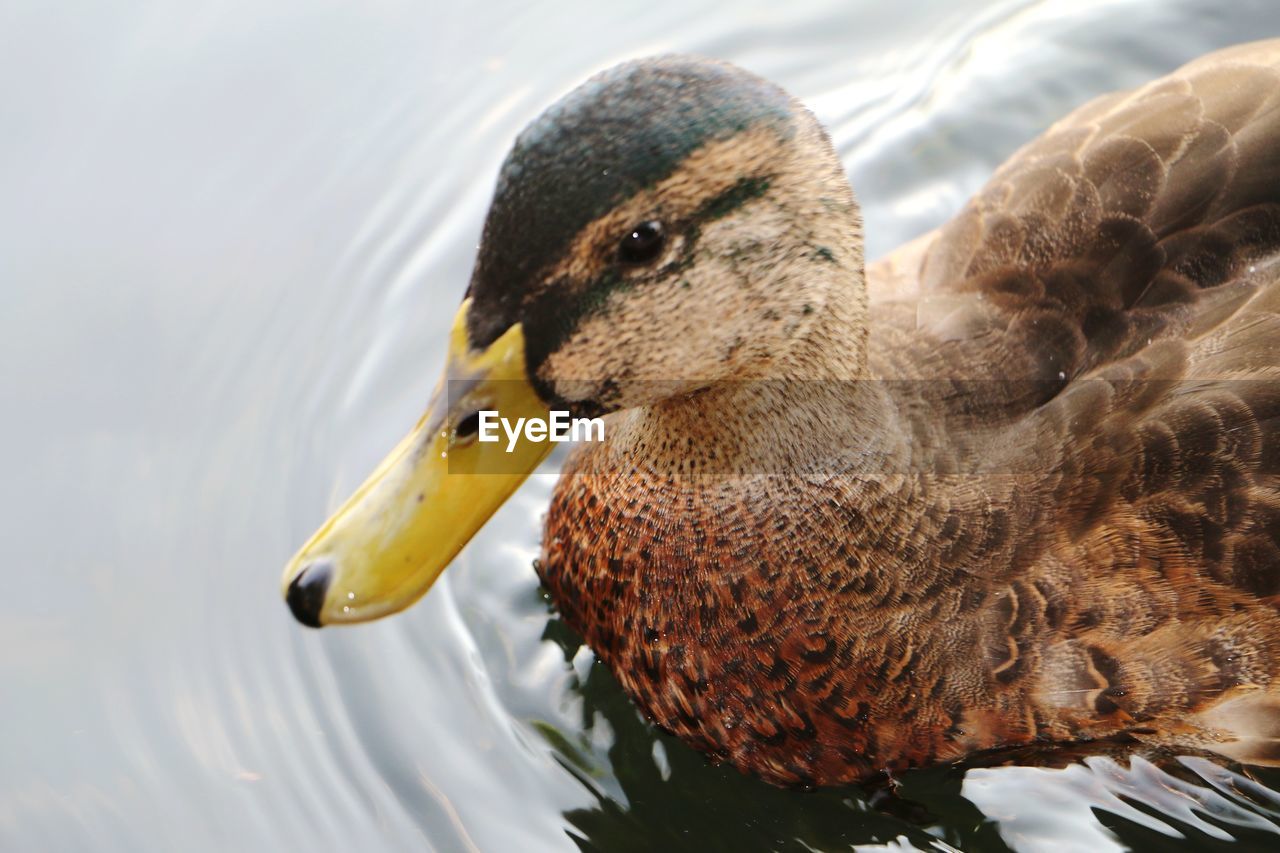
{"x": 1127, "y": 263}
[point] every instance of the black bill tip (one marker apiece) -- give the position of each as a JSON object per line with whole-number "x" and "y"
{"x": 307, "y": 592}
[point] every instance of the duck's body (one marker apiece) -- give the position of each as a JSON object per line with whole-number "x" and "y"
{"x": 1078, "y": 539}
{"x": 1020, "y": 481}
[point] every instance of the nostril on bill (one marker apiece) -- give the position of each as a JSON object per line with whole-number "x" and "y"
{"x": 306, "y": 593}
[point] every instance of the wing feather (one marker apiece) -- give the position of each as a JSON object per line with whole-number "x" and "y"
{"x": 1114, "y": 290}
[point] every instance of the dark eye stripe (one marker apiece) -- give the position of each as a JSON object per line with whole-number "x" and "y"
{"x": 745, "y": 190}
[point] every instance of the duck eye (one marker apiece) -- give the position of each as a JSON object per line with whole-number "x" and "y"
{"x": 642, "y": 243}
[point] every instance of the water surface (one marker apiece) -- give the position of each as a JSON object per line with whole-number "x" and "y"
{"x": 232, "y": 236}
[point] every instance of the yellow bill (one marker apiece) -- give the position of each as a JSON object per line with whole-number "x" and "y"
{"x": 389, "y": 542}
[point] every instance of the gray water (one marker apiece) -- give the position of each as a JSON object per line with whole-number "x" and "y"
{"x": 232, "y": 236}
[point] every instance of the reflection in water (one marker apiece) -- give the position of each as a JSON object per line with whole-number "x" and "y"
{"x": 233, "y": 241}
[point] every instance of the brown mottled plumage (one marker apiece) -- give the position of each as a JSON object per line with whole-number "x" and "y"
{"x": 1022, "y": 486}
{"x": 1019, "y": 482}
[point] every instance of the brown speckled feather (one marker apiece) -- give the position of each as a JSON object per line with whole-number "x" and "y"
{"x": 1064, "y": 522}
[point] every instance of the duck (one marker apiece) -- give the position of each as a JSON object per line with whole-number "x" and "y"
{"x": 1016, "y": 483}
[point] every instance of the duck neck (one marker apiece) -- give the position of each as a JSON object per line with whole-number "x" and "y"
{"x": 816, "y": 411}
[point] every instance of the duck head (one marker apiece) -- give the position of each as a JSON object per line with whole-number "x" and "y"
{"x": 671, "y": 224}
